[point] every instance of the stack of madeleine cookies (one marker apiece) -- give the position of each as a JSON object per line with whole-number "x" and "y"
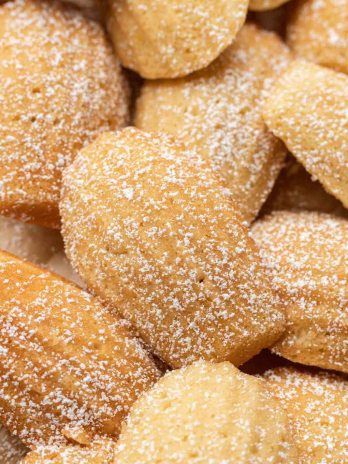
{"x": 174, "y": 232}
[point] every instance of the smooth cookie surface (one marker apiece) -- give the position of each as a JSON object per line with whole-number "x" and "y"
{"x": 150, "y": 229}
{"x": 206, "y": 413}
{"x": 318, "y": 31}
{"x": 173, "y": 38}
{"x": 308, "y": 110}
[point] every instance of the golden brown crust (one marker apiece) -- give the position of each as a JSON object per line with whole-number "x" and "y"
{"x": 100, "y": 452}
{"x": 318, "y": 31}
{"x": 218, "y": 111}
{"x": 68, "y": 369}
{"x": 149, "y": 228}
{"x": 209, "y": 413}
{"x": 317, "y": 406}
{"x": 171, "y": 39}
{"x": 295, "y": 189}
{"x": 60, "y": 86}
{"x": 262, "y": 5}
{"x": 308, "y": 255}
{"x": 307, "y": 109}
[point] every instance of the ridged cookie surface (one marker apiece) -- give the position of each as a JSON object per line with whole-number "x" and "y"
{"x": 101, "y": 452}
{"x": 218, "y": 112}
{"x": 206, "y": 413}
{"x": 173, "y": 38}
{"x": 307, "y": 254}
{"x": 318, "y": 31}
{"x": 308, "y": 110}
{"x": 150, "y": 229}
{"x": 317, "y": 406}
{"x": 60, "y": 86}
{"x": 68, "y": 369}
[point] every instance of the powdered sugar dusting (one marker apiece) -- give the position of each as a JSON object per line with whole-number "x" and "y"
{"x": 307, "y": 254}
{"x": 317, "y": 405}
{"x": 69, "y": 370}
{"x": 318, "y": 31}
{"x": 174, "y": 257}
{"x": 60, "y": 86}
{"x": 308, "y": 110}
{"x": 218, "y": 111}
{"x": 99, "y": 452}
{"x": 170, "y": 39}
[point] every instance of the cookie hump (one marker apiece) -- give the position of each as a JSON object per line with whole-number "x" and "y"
{"x": 69, "y": 370}
{"x": 60, "y": 86}
{"x": 206, "y": 413}
{"x": 171, "y": 39}
{"x": 150, "y": 229}
{"x": 307, "y": 254}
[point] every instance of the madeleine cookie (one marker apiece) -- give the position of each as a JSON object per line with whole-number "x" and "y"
{"x": 11, "y": 449}
{"x": 317, "y": 406}
{"x": 101, "y": 452}
{"x": 308, "y": 256}
{"x": 174, "y": 38}
{"x": 318, "y": 31}
{"x": 149, "y": 228}
{"x": 261, "y": 5}
{"x": 60, "y": 86}
{"x": 218, "y": 111}
{"x": 206, "y": 413}
{"x": 295, "y": 189}
{"x": 308, "y": 110}
{"x": 69, "y": 370}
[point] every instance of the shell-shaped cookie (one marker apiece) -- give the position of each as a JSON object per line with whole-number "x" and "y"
{"x": 206, "y": 413}
{"x": 68, "y": 368}
{"x": 150, "y": 229}
{"x": 60, "y": 86}
{"x": 308, "y": 256}
{"x": 173, "y": 38}
{"x": 308, "y": 110}
{"x": 317, "y": 406}
{"x": 101, "y": 452}
{"x": 262, "y": 5}
{"x": 11, "y": 449}
{"x": 218, "y": 112}
{"x": 318, "y": 31}
{"x": 295, "y": 189}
